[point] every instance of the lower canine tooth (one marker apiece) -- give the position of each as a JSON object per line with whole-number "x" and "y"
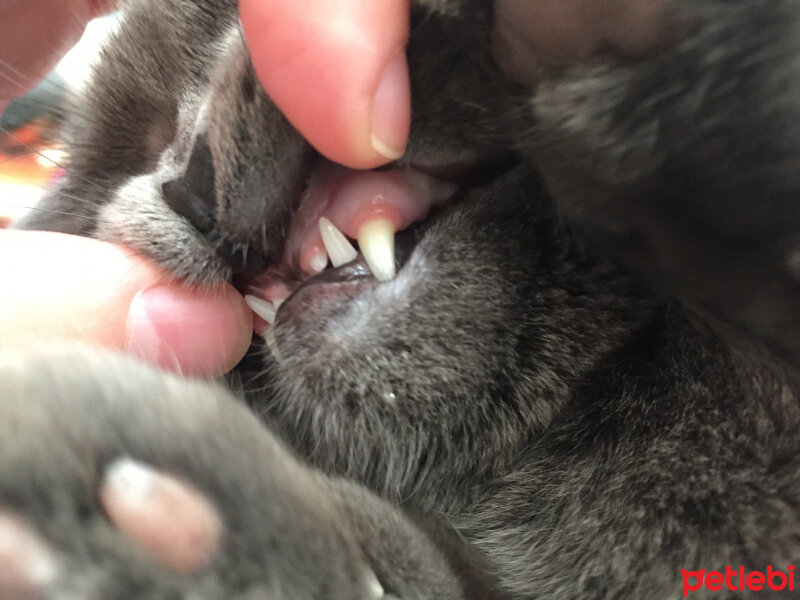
{"x": 339, "y": 249}
{"x": 263, "y": 308}
{"x": 376, "y": 239}
{"x": 272, "y": 343}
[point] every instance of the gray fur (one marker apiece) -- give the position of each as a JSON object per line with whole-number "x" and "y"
{"x": 552, "y": 425}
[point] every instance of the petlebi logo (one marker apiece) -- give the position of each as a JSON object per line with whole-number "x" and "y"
{"x": 738, "y": 580}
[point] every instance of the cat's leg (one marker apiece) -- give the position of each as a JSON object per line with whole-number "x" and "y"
{"x": 286, "y": 531}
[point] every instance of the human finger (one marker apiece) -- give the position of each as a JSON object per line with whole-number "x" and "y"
{"x": 338, "y": 71}
{"x": 61, "y": 287}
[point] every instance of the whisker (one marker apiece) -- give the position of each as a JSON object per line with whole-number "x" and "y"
{"x": 42, "y": 105}
{"x": 76, "y": 198}
{"x": 61, "y": 212}
{"x": 10, "y": 158}
{"x": 56, "y": 163}
{"x": 19, "y": 141}
{"x": 19, "y": 80}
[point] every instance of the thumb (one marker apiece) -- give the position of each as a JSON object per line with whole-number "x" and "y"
{"x": 338, "y": 71}
{"x": 61, "y": 287}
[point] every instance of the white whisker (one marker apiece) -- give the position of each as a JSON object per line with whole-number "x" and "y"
{"x": 61, "y": 212}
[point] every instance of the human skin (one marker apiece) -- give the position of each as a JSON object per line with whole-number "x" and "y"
{"x": 66, "y": 288}
{"x": 350, "y": 53}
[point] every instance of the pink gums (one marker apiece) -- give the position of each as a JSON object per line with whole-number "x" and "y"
{"x": 351, "y": 198}
{"x": 348, "y": 199}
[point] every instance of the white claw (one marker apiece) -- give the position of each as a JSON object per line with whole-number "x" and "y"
{"x": 26, "y": 563}
{"x": 130, "y": 477}
{"x": 339, "y": 249}
{"x": 375, "y": 588}
{"x": 376, "y": 239}
{"x": 263, "y": 308}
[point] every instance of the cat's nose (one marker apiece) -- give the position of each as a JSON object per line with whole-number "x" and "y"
{"x": 193, "y": 197}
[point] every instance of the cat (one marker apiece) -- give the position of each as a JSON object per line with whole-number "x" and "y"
{"x": 521, "y": 410}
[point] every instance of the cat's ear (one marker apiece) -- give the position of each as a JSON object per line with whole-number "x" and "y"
{"x": 530, "y": 35}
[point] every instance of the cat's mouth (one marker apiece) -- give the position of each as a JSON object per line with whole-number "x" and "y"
{"x": 352, "y": 226}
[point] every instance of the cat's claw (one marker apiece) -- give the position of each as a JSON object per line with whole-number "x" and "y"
{"x": 175, "y": 524}
{"x": 171, "y": 488}
{"x": 165, "y": 516}
{"x": 27, "y": 565}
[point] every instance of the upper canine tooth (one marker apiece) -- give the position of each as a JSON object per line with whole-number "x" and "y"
{"x": 376, "y": 239}
{"x": 339, "y": 249}
{"x": 263, "y": 308}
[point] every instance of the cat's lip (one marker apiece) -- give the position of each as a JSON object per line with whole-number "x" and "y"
{"x": 368, "y": 206}
{"x": 390, "y": 201}
{"x": 332, "y": 287}
{"x": 350, "y": 200}
{"x": 268, "y": 292}
{"x": 398, "y": 194}
{"x": 471, "y": 173}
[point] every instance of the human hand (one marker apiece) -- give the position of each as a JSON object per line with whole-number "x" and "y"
{"x": 337, "y": 70}
{"x": 57, "y": 287}
{"x": 34, "y": 35}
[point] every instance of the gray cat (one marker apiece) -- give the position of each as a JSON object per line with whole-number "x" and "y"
{"x": 512, "y": 414}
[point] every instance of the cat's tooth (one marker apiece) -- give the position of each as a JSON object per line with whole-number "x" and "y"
{"x": 339, "y": 249}
{"x": 272, "y": 343}
{"x": 319, "y": 261}
{"x": 376, "y": 240}
{"x": 375, "y": 588}
{"x": 263, "y": 308}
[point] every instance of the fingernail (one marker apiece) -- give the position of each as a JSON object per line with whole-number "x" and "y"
{"x": 391, "y": 112}
{"x": 145, "y": 338}
{"x": 130, "y": 477}
{"x": 192, "y": 332}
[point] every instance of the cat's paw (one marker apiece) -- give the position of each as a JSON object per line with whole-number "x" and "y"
{"x": 118, "y": 481}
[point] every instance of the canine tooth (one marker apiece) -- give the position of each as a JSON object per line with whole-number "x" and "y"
{"x": 339, "y": 249}
{"x": 263, "y": 308}
{"x": 319, "y": 261}
{"x": 376, "y": 239}
{"x": 375, "y": 588}
{"x": 272, "y": 343}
